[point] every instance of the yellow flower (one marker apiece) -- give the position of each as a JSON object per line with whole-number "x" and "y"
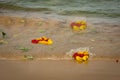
{"x": 76, "y": 28}
{"x": 50, "y": 41}
{"x": 82, "y": 56}
{"x": 78, "y": 59}
{"x": 22, "y": 20}
{"x": 82, "y": 27}
{"x": 46, "y": 42}
{"x": 85, "y": 58}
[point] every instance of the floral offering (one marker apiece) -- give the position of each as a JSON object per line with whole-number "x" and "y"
{"x": 81, "y": 56}
{"x": 42, "y": 40}
{"x": 78, "y": 25}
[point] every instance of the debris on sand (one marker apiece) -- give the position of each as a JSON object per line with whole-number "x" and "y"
{"x": 28, "y": 57}
{"x": 41, "y": 30}
{"x": 117, "y": 60}
{"x": 39, "y": 23}
{"x": 3, "y": 41}
{"x": 22, "y": 48}
{"x": 92, "y": 40}
{"x": 3, "y": 34}
{"x": 22, "y": 20}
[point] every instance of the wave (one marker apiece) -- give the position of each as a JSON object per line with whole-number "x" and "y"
{"x": 10, "y": 6}
{"x": 99, "y": 13}
{"x": 63, "y": 58}
{"x": 89, "y": 13}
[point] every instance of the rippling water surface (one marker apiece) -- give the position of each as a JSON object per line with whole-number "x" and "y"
{"x": 105, "y": 8}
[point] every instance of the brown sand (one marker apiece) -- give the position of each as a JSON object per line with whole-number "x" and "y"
{"x": 59, "y": 70}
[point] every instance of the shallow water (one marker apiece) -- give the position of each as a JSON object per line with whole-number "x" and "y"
{"x": 104, "y": 8}
{"x": 102, "y": 18}
{"x": 102, "y": 39}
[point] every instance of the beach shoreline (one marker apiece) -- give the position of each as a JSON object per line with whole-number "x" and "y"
{"x": 21, "y": 30}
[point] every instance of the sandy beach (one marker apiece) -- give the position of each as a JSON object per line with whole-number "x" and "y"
{"x": 50, "y": 61}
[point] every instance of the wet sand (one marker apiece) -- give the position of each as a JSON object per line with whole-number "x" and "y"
{"x": 59, "y": 70}
{"x": 50, "y": 61}
{"x": 101, "y": 38}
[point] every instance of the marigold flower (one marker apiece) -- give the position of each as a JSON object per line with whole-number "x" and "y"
{"x": 76, "y": 28}
{"x": 34, "y": 41}
{"x": 42, "y": 40}
{"x": 81, "y": 56}
{"x": 72, "y": 24}
{"x": 78, "y": 25}
{"x": 82, "y": 27}
{"x": 74, "y": 55}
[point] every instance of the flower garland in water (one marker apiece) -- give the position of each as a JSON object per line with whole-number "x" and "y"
{"x": 79, "y": 25}
{"x": 81, "y": 56}
{"x": 42, "y": 40}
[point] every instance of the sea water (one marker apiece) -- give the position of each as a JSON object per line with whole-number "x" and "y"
{"x": 96, "y": 8}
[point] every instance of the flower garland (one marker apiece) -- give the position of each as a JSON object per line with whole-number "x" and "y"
{"x": 81, "y": 56}
{"x": 42, "y": 40}
{"x": 78, "y": 25}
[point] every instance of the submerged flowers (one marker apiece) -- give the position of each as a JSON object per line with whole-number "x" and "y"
{"x": 42, "y": 40}
{"x": 78, "y": 25}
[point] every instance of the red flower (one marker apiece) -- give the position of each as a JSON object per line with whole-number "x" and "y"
{"x": 80, "y": 55}
{"x": 75, "y": 54}
{"x": 78, "y": 24}
{"x": 35, "y": 41}
{"x": 73, "y": 24}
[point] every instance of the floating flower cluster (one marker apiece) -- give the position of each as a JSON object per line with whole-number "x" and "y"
{"x": 42, "y": 40}
{"x": 78, "y": 25}
{"x": 81, "y": 56}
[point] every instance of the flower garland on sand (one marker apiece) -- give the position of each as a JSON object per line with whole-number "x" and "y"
{"x": 42, "y": 40}
{"x": 78, "y": 25}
